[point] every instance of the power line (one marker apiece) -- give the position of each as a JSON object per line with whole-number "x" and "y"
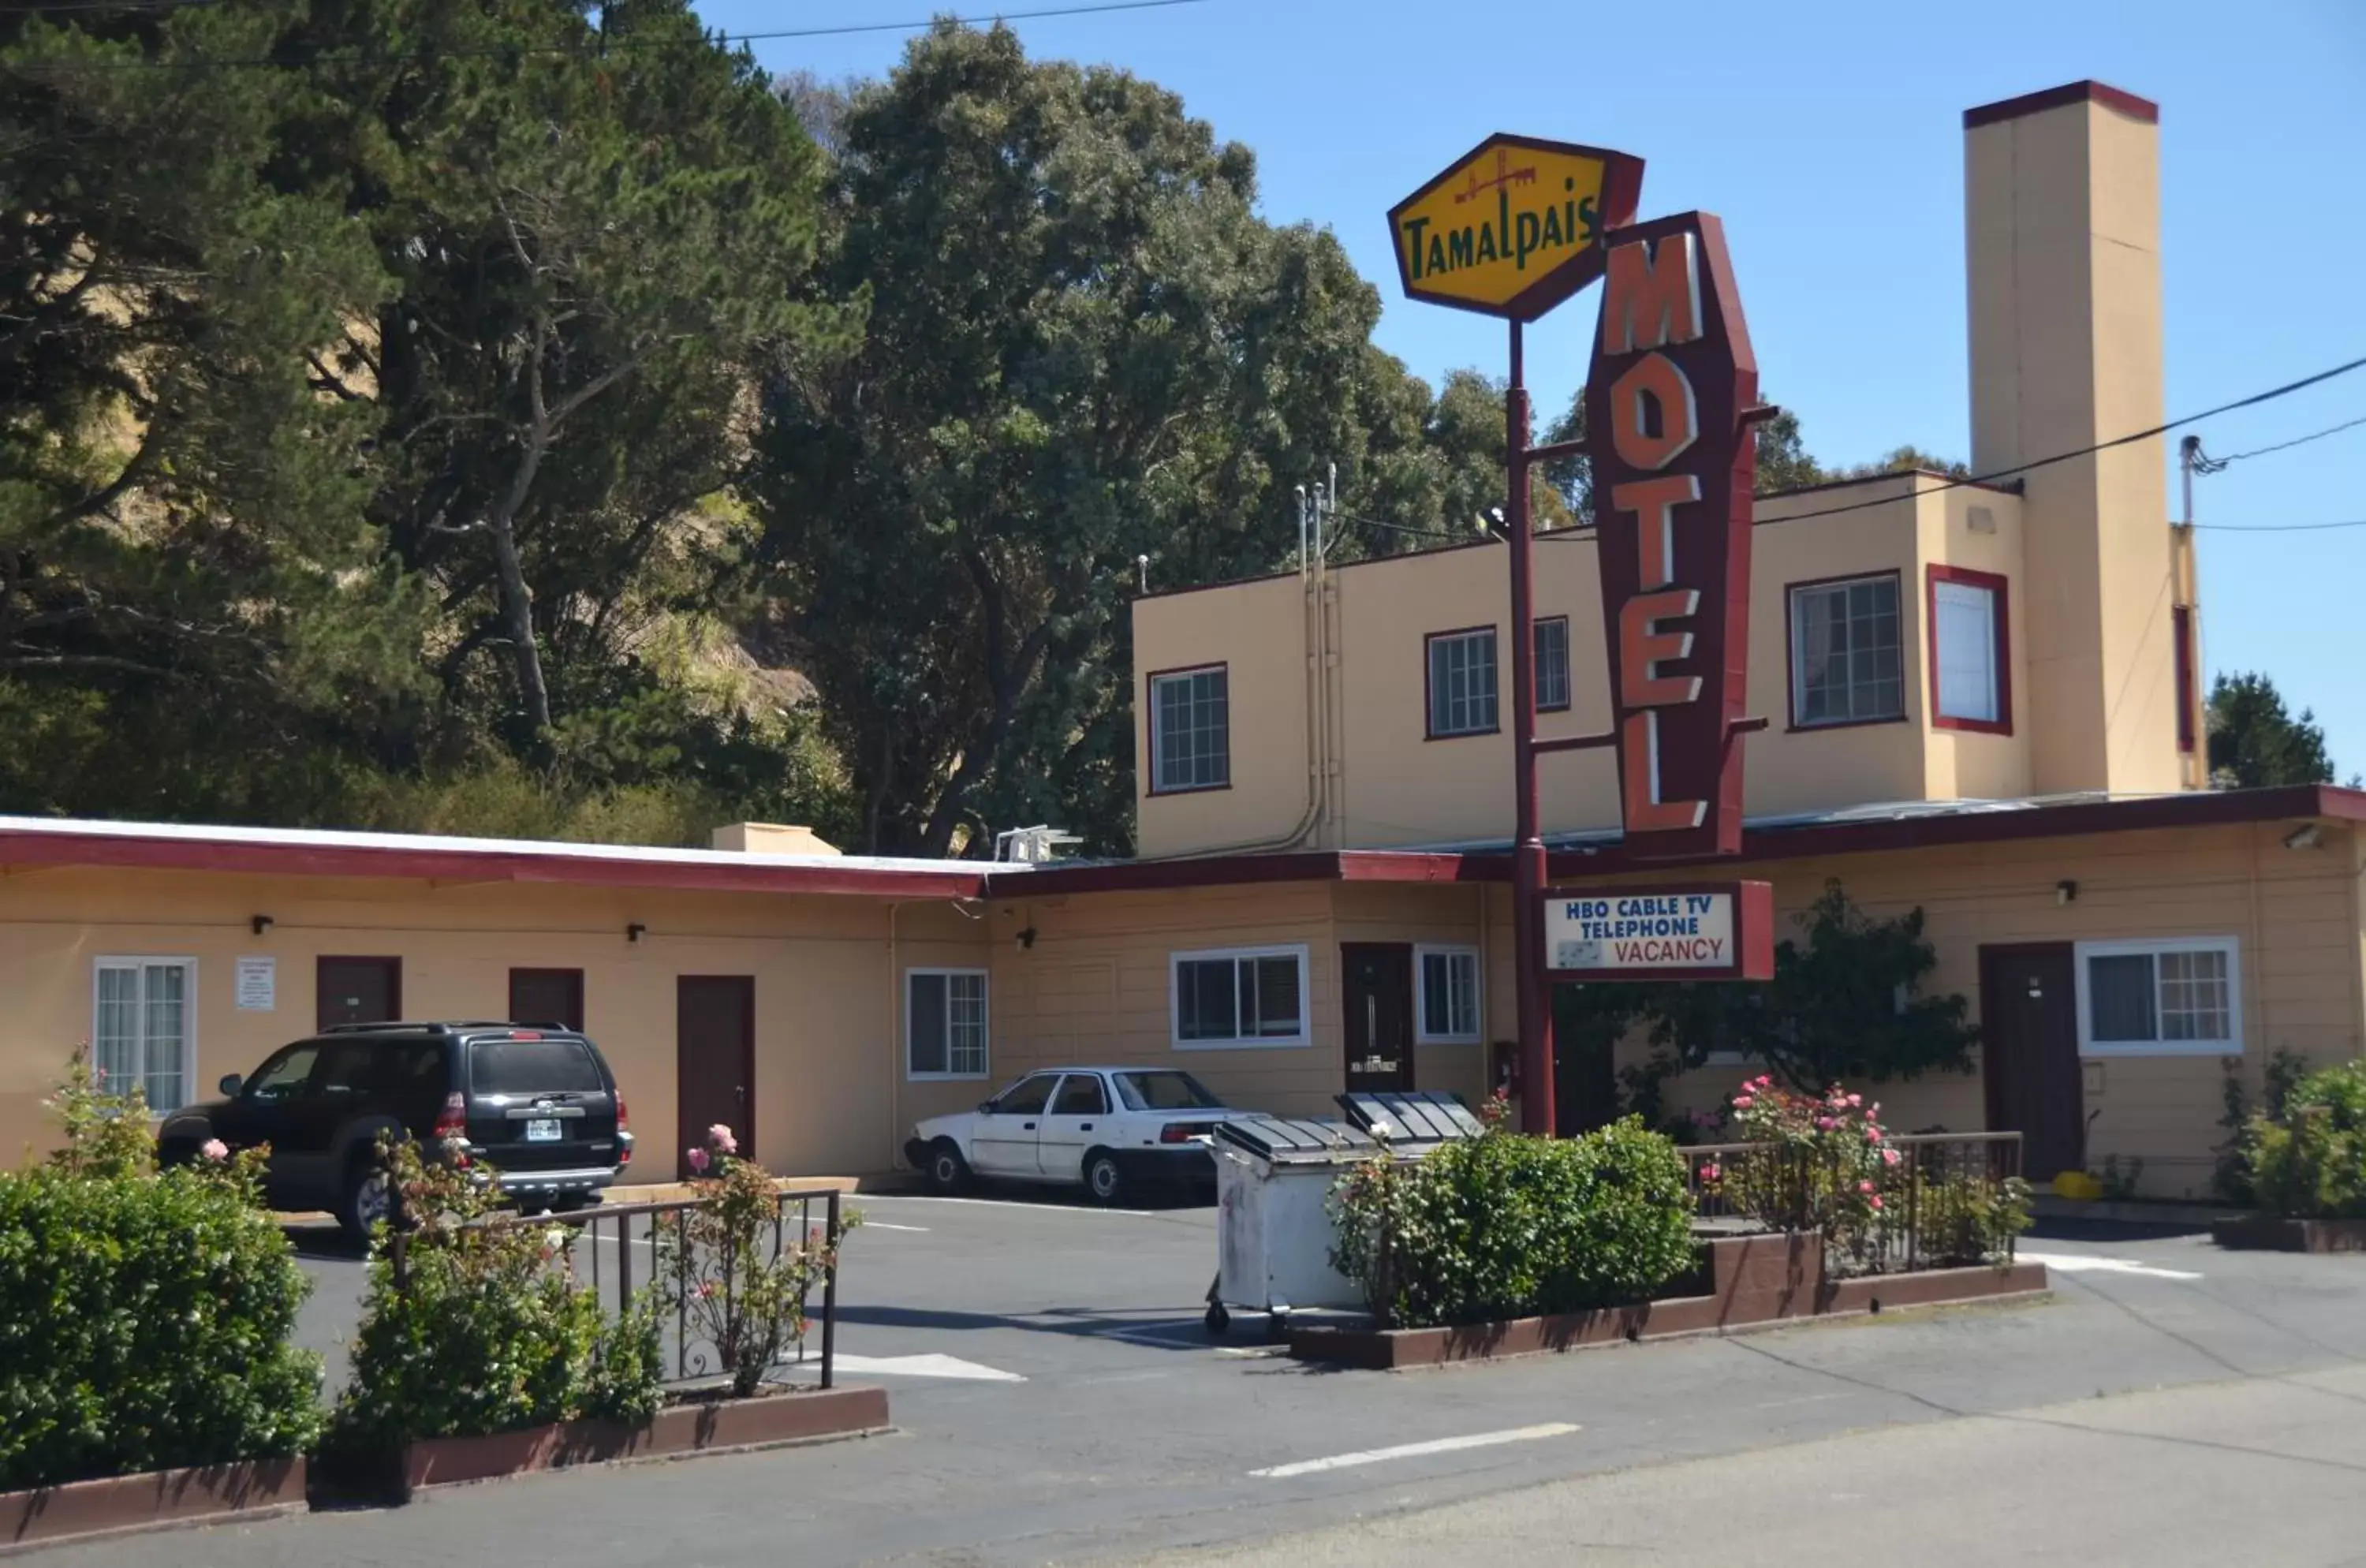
{"x": 2275, "y": 527}
{"x": 589, "y": 46}
{"x": 2203, "y": 464}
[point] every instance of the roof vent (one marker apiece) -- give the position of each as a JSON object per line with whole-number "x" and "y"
{"x": 772, "y": 839}
{"x": 1032, "y": 846}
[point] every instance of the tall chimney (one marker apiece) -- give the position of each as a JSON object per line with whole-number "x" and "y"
{"x": 2062, "y": 232}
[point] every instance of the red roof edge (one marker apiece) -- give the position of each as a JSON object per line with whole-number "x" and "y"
{"x": 2126, "y": 103}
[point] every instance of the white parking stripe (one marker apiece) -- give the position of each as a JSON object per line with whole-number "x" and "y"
{"x": 933, "y": 1366}
{"x": 2081, "y": 1263}
{"x": 1415, "y": 1450}
{"x": 872, "y": 1224}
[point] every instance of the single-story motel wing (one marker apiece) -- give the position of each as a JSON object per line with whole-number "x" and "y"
{"x": 847, "y": 996}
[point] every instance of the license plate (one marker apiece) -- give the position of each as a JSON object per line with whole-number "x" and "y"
{"x": 542, "y": 1131}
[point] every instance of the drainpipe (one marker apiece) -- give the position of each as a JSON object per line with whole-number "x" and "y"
{"x": 894, "y": 1045}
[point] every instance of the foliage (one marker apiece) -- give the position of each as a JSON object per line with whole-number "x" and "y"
{"x": 1905, "y": 460}
{"x": 1782, "y": 462}
{"x": 726, "y": 1266}
{"x": 2255, "y": 742}
{"x": 2309, "y": 1159}
{"x": 1962, "y": 1221}
{"x": 468, "y": 1327}
{"x": 1506, "y": 1225}
{"x": 145, "y": 1318}
{"x": 625, "y": 1380}
{"x": 2121, "y": 1179}
{"x": 2230, "y": 1173}
{"x": 1845, "y": 1005}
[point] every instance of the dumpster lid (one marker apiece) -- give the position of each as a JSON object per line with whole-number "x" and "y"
{"x": 1423, "y": 1116}
{"x": 1289, "y": 1140}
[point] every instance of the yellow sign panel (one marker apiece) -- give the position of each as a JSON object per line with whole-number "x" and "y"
{"x": 1515, "y": 227}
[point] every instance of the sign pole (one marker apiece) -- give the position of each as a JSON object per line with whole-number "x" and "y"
{"x": 1528, "y": 851}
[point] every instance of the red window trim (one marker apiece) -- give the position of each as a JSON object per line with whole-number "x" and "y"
{"x": 1570, "y": 673}
{"x": 1429, "y": 708}
{"x": 1150, "y": 726}
{"x": 2180, "y": 622}
{"x": 1999, "y": 602}
{"x": 1791, "y": 654}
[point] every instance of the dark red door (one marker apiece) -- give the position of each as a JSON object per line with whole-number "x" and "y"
{"x": 715, "y": 1058}
{"x": 2029, "y": 1054}
{"x": 357, "y": 990}
{"x": 547, "y": 997}
{"x": 1378, "y": 996}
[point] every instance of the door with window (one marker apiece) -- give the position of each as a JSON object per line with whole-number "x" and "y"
{"x": 714, "y": 1059}
{"x": 357, "y": 990}
{"x": 1377, "y": 995}
{"x": 2029, "y": 1054}
{"x": 1008, "y": 1125}
{"x": 1076, "y": 1121}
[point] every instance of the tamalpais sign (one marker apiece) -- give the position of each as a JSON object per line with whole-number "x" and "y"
{"x": 1715, "y": 932}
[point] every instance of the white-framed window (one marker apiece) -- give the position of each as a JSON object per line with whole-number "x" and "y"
{"x": 1446, "y": 994}
{"x": 1968, "y": 686}
{"x": 1235, "y": 997}
{"x": 1846, "y": 667}
{"x": 1463, "y": 683}
{"x": 1553, "y": 664}
{"x": 2162, "y": 996}
{"x": 1191, "y": 731}
{"x": 144, "y": 1026}
{"x": 944, "y": 1023}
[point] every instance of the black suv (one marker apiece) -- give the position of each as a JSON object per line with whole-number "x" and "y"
{"x": 539, "y": 1105}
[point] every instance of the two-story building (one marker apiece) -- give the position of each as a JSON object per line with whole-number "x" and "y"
{"x": 1982, "y": 701}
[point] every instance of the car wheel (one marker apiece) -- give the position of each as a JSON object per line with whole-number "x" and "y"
{"x": 1103, "y": 1179}
{"x": 948, "y": 1173}
{"x": 369, "y": 1196}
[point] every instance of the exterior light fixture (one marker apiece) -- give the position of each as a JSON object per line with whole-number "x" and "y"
{"x": 259, "y": 923}
{"x": 2307, "y": 836}
{"x": 635, "y": 931}
{"x": 2065, "y": 892}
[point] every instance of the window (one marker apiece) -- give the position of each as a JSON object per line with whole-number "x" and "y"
{"x": 1448, "y": 1005}
{"x": 1553, "y": 664}
{"x": 2179, "y": 997}
{"x": 1244, "y": 996}
{"x": 285, "y": 1075}
{"x": 533, "y": 1067}
{"x": 1191, "y": 731}
{"x": 1463, "y": 683}
{"x": 944, "y": 1023}
{"x": 1165, "y": 1091}
{"x": 144, "y": 1027}
{"x": 1970, "y": 687}
{"x": 551, "y": 997}
{"x": 1844, "y": 655}
{"x": 1027, "y": 1097}
{"x": 1081, "y": 1095}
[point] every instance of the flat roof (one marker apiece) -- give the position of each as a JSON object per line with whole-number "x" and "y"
{"x": 1868, "y": 829}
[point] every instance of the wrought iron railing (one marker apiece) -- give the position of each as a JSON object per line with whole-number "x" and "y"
{"x": 1950, "y": 1199}
{"x": 604, "y": 1256}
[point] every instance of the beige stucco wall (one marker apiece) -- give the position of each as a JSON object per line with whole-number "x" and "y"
{"x": 826, "y": 1074}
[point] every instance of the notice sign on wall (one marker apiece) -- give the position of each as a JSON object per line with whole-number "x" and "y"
{"x": 1718, "y": 931}
{"x": 258, "y": 984}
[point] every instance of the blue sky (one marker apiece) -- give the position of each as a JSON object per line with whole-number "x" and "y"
{"x": 1803, "y": 124}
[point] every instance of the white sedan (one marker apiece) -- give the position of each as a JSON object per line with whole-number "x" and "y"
{"x": 1111, "y": 1129}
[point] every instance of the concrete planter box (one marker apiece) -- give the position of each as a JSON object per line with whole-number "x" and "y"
{"x": 161, "y": 1499}
{"x": 2265, "y": 1232}
{"x": 721, "y": 1425}
{"x": 1757, "y": 1281}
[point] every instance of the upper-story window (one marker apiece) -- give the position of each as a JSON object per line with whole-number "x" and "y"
{"x": 1553, "y": 664}
{"x": 1463, "y": 683}
{"x": 1970, "y": 688}
{"x": 1845, "y": 663}
{"x": 1191, "y": 731}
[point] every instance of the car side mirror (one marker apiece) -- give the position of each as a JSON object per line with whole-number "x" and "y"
{"x": 986, "y": 1108}
{"x": 230, "y": 1083}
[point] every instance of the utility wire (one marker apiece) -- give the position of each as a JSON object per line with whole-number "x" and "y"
{"x": 2204, "y": 464}
{"x": 589, "y": 46}
{"x": 2276, "y": 527}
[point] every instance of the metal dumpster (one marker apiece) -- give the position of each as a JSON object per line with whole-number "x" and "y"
{"x": 1273, "y": 1177}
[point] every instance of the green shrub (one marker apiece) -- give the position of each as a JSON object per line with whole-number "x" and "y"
{"x": 1505, "y": 1225}
{"x": 2310, "y": 1160}
{"x": 485, "y": 1330}
{"x": 145, "y": 1319}
{"x": 1962, "y": 1221}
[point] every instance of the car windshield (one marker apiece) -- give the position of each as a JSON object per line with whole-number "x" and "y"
{"x": 533, "y": 1067}
{"x": 1165, "y": 1091}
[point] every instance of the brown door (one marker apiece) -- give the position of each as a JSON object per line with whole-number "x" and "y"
{"x": 2029, "y": 1054}
{"x": 547, "y": 997}
{"x": 715, "y": 1058}
{"x": 1378, "y": 1000}
{"x": 357, "y": 990}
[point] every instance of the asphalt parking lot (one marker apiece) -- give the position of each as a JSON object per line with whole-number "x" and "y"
{"x": 1056, "y": 1398}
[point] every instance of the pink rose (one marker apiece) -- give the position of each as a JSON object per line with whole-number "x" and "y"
{"x": 1711, "y": 1172}
{"x": 1742, "y": 1102}
{"x": 1890, "y": 1157}
{"x": 1857, "y": 1100}
{"x": 1875, "y": 1200}
{"x": 214, "y": 1149}
{"x": 720, "y": 1137}
{"x": 1763, "y": 1081}
{"x": 1825, "y": 1123}
{"x": 698, "y": 1158}
{"x": 1865, "y": 1186}
{"x": 1873, "y": 1135}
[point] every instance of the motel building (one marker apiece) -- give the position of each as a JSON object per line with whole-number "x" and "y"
{"x": 1982, "y": 701}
